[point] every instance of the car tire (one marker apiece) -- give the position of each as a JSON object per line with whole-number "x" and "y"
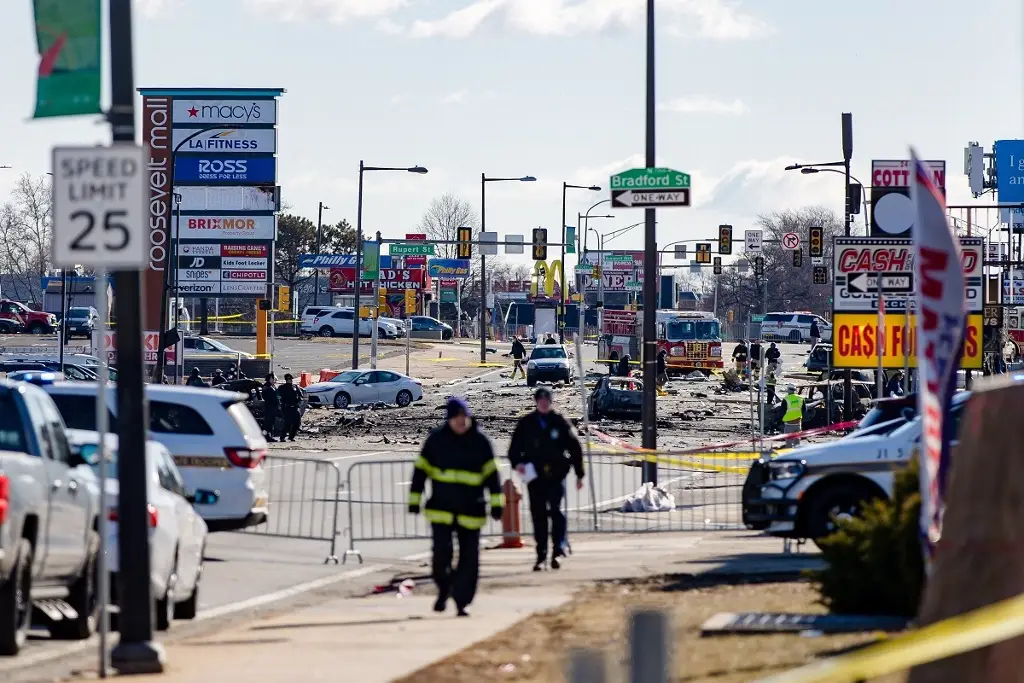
{"x": 164, "y": 610}
{"x": 36, "y": 328}
{"x": 16, "y": 601}
{"x": 342, "y": 400}
{"x": 795, "y": 337}
{"x": 841, "y": 500}
{"x": 83, "y": 598}
{"x": 403, "y": 398}
{"x": 189, "y": 608}
{"x": 326, "y": 331}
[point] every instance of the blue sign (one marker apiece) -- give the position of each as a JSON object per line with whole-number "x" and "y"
{"x": 448, "y": 268}
{"x": 335, "y": 261}
{"x": 201, "y": 169}
{"x": 1010, "y": 171}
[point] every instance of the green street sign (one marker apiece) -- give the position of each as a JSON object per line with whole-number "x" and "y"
{"x": 371, "y": 260}
{"x": 412, "y": 249}
{"x": 634, "y": 286}
{"x": 757, "y": 318}
{"x": 584, "y": 270}
{"x": 618, "y": 258}
{"x": 650, "y": 187}
{"x": 449, "y": 296}
{"x": 570, "y": 239}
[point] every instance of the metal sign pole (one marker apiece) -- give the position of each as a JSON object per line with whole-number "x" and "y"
{"x": 101, "y": 451}
{"x": 408, "y": 343}
{"x": 880, "y": 340}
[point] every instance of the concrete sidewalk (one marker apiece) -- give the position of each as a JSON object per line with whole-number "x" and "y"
{"x": 382, "y": 637}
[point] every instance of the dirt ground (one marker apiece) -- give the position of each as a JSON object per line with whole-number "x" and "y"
{"x": 535, "y": 650}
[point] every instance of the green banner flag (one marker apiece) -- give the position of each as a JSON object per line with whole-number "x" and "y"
{"x": 570, "y": 239}
{"x": 371, "y": 260}
{"x": 68, "y": 39}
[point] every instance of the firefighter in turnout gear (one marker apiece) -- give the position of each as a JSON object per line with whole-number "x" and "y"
{"x": 458, "y": 460}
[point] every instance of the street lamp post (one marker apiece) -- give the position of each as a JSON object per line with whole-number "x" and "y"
{"x": 582, "y": 220}
{"x": 483, "y": 259}
{"x": 319, "y": 240}
{"x": 561, "y": 270}
{"x": 359, "y": 250}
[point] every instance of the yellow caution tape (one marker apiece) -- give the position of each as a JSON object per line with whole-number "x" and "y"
{"x": 486, "y": 365}
{"x": 442, "y": 360}
{"x": 982, "y": 627}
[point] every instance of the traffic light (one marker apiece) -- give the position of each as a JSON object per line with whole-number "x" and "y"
{"x": 820, "y": 275}
{"x": 704, "y": 252}
{"x": 382, "y": 301}
{"x": 725, "y": 239}
{"x": 540, "y": 244}
{"x": 758, "y": 266}
{"x": 410, "y": 302}
{"x": 465, "y": 237}
{"x": 597, "y": 270}
{"x": 817, "y": 242}
{"x": 718, "y": 265}
{"x": 798, "y": 258}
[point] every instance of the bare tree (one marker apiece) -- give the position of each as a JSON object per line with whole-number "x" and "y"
{"x": 25, "y": 234}
{"x": 442, "y": 220}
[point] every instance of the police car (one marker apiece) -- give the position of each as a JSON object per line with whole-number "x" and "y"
{"x": 801, "y": 494}
{"x": 793, "y": 327}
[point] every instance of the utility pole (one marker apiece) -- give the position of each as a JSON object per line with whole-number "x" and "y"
{"x": 650, "y": 347}
{"x": 319, "y": 240}
{"x": 847, "y": 155}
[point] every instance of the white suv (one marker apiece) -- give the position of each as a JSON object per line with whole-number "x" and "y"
{"x": 213, "y": 437}
{"x": 341, "y": 321}
{"x": 793, "y": 327}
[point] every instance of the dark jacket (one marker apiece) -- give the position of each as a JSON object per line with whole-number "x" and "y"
{"x": 544, "y": 440}
{"x": 195, "y": 381}
{"x": 551, "y": 340}
{"x": 815, "y": 332}
{"x": 289, "y": 395}
{"x": 755, "y": 352}
{"x": 518, "y": 350}
{"x": 459, "y": 469}
{"x": 740, "y": 353}
{"x": 623, "y": 369}
{"x": 894, "y": 387}
{"x": 772, "y": 354}
{"x": 271, "y": 400}
{"x": 217, "y": 380}
{"x": 661, "y": 364}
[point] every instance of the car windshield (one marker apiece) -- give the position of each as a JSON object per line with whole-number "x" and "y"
{"x": 543, "y": 352}
{"x": 623, "y": 384}
{"x": 78, "y": 313}
{"x": 218, "y": 345}
{"x": 349, "y": 376}
{"x": 697, "y": 330}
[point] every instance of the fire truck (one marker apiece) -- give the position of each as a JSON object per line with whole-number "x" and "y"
{"x": 693, "y": 339}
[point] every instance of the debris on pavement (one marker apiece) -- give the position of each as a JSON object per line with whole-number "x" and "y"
{"x": 649, "y": 498}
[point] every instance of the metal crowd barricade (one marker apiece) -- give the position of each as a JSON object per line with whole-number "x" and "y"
{"x": 304, "y": 496}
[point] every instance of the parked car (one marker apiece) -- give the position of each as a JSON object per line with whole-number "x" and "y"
{"x": 793, "y": 327}
{"x": 11, "y": 326}
{"x": 254, "y": 390}
{"x": 48, "y": 522}
{"x": 215, "y": 441}
{"x": 362, "y": 387}
{"x": 425, "y": 327}
{"x": 177, "y": 534}
{"x": 820, "y": 358}
{"x": 199, "y": 347}
{"x": 33, "y": 322}
{"x": 550, "y": 363}
{"x": 72, "y": 372}
{"x": 618, "y": 397}
{"x": 398, "y": 324}
{"x": 311, "y": 313}
{"x": 341, "y": 322}
{"x": 80, "y": 321}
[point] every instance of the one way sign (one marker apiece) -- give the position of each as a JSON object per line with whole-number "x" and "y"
{"x": 640, "y": 198}
{"x": 889, "y": 283}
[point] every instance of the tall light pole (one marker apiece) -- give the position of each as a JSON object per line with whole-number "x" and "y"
{"x": 359, "y": 249}
{"x": 810, "y": 170}
{"x": 561, "y": 270}
{"x": 649, "y": 423}
{"x": 483, "y": 259}
{"x": 319, "y": 239}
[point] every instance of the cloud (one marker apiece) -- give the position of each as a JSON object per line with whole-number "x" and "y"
{"x": 335, "y": 11}
{"x": 155, "y": 8}
{"x": 715, "y": 19}
{"x": 702, "y": 104}
{"x": 457, "y": 97}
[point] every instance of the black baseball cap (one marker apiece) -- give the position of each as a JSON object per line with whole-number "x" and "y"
{"x": 542, "y": 392}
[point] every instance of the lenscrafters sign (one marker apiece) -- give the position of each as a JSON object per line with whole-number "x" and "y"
{"x": 892, "y": 214}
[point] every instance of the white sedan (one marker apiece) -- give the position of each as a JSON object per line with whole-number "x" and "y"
{"x": 365, "y": 386}
{"x": 177, "y": 534}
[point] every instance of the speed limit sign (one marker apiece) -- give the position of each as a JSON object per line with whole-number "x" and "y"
{"x": 99, "y": 207}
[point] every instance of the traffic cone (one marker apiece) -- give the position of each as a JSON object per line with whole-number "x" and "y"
{"x": 510, "y": 532}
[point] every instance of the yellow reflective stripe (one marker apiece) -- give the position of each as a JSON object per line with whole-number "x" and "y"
{"x": 490, "y": 467}
{"x": 422, "y": 464}
{"x": 497, "y": 500}
{"x": 439, "y": 516}
{"x": 415, "y": 498}
{"x": 474, "y": 523}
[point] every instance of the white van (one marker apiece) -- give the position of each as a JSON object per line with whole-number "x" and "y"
{"x": 793, "y": 327}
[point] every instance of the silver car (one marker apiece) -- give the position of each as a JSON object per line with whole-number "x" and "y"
{"x": 354, "y": 387}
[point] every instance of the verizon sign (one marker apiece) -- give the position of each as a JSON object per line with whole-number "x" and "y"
{"x": 859, "y": 262}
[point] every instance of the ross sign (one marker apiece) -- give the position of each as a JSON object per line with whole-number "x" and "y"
{"x": 227, "y": 227}
{"x": 514, "y": 244}
{"x": 791, "y": 241}
{"x": 855, "y": 338}
{"x": 190, "y": 168}
{"x": 704, "y": 252}
{"x": 488, "y": 243}
{"x": 99, "y": 207}
{"x": 753, "y": 240}
{"x": 69, "y": 41}
{"x": 225, "y": 140}
{"x": 888, "y": 283}
{"x": 419, "y": 261}
{"x": 240, "y": 111}
{"x": 680, "y": 251}
{"x": 412, "y": 249}
{"x": 855, "y": 257}
{"x": 449, "y": 268}
{"x": 892, "y": 214}
{"x": 229, "y": 198}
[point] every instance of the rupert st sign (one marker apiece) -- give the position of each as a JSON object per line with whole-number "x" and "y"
{"x": 862, "y": 265}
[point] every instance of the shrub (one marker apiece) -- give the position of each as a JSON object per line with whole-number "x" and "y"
{"x": 874, "y": 561}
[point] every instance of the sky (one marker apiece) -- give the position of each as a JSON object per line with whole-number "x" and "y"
{"x": 555, "y": 89}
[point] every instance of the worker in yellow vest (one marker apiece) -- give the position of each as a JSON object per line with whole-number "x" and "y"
{"x": 793, "y": 418}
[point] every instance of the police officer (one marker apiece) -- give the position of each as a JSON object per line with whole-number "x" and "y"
{"x": 540, "y": 441}
{"x": 739, "y": 354}
{"x": 793, "y": 418}
{"x": 271, "y": 406}
{"x": 290, "y": 399}
{"x": 194, "y": 380}
{"x": 459, "y": 461}
{"x": 217, "y": 379}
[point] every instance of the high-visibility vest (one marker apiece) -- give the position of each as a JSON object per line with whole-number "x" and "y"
{"x": 794, "y": 408}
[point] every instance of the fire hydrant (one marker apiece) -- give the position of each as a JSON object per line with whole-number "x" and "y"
{"x": 510, "y": 517}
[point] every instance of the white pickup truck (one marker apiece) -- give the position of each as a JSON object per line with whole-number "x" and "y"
{"x": 801, "y": 494}
{"x": 49, "y": 544}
